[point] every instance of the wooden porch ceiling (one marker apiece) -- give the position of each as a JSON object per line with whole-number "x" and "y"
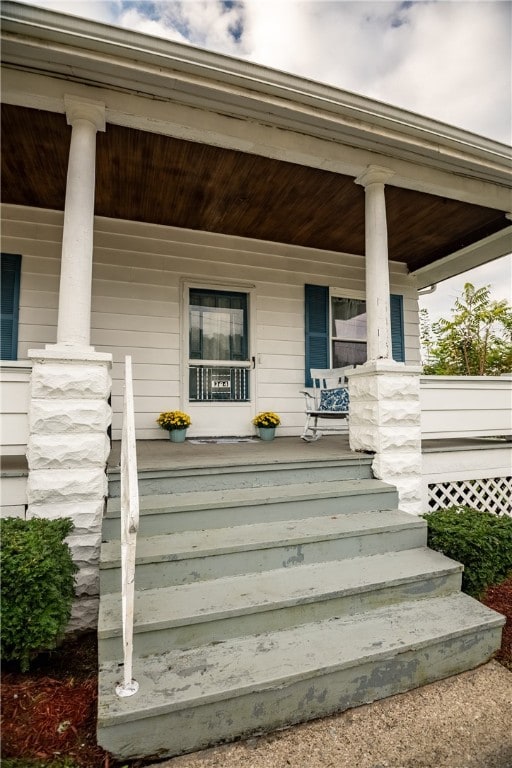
{"x": 153, "y": 178}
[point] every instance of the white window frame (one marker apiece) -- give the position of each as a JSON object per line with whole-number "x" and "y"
{"x": 342, "y": 293}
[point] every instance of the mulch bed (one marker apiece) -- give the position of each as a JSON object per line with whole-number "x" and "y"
{"x": 500, "y": 598}
{"x": 50, "y": 712}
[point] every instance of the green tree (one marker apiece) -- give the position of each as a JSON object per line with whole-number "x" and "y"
{"x": 475, "y": 341}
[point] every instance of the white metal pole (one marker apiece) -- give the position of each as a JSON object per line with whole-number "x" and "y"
{"x": 129, "y": 528}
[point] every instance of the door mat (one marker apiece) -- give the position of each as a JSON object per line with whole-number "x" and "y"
{"x": 222, "y": 440}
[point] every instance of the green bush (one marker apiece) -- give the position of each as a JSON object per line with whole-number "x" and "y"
{"x": 37, "y": 586}
{"x": 481, "y": 541}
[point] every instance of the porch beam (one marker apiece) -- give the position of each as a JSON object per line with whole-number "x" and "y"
{"x": 376, "y": 262}
{"x": 74, "y": 315}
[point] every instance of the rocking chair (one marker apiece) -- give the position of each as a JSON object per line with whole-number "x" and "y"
{"x": 328, "y": 399}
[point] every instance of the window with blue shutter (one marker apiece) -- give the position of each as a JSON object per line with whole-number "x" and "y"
{"x": 317, "y": 328}
{"x": 397, "y": 328}
{"x": 10, "y": 300}
{"x": 351, "y": 350}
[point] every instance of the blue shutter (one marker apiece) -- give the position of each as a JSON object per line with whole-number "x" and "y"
{"x": 10, "y": 297}
{"x": 397, "y": 328}
{"x": 317, "y": 328}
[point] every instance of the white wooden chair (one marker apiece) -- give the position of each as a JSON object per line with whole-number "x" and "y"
{"x": 326, "y": 400}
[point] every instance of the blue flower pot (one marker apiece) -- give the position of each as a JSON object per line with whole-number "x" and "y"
{"x": 267, "y": 433}
{"x": 177, "y": 435}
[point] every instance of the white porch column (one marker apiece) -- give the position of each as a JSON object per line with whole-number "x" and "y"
{"x": 70, "y": 385}
{"x": 74, "y": 319}
{"x": 384, "y": 395}
{"x": 377, "y": 268}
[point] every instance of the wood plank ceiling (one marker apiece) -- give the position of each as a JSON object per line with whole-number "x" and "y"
{"x": 153, "y": 178}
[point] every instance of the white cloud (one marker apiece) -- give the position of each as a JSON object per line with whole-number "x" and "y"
{"x": 105, "y": 11}
{"x": 447, "y": 60}
{"x": 210, "y": 24}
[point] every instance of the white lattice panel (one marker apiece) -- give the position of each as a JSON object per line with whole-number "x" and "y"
{"x": 488, "y": 495}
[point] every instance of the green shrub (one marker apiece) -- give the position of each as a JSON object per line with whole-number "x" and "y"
{"x": 481, "y": 541}
{"x": 37, "y": 586}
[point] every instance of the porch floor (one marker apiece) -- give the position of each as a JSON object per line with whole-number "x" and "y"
{"x": 162, "y": 454}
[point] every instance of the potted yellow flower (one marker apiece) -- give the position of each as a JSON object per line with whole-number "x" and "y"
{"x": 266, "y": 422}
{"x": 176, "y": 423}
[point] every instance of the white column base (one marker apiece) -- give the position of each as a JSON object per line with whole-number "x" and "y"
{"x": 67, "y": 452}
{"x": 385, "y": 419}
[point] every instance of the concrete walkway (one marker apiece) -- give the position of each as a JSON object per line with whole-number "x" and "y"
{"x": 461, "y": 722}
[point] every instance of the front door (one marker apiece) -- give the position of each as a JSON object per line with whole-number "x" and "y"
{"x": 219, "y": 371}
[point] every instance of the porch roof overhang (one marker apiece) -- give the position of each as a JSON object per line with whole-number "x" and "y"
{"x": 203, "y": 141}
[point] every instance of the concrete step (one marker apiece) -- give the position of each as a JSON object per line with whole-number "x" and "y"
{"x": 197, "y": 510}
{"x": 188, "y": 700}
{"x": 249, "y": 475}
{"x": 191, "y": 556}
{"x": 213, "y": 611}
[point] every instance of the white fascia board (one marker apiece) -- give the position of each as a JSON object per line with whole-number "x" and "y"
{"x": 85, "y": 51}
{"x": 486, "y": 250}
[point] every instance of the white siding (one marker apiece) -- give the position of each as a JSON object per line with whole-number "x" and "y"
{"x": 137, "y": 277}
{"x": 14, "y": 394}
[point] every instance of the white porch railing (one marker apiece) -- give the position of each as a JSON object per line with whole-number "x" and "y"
{"x": 129, "y": 528}
{"x": 466, "y": 406}
{"x": 467, "y": 474}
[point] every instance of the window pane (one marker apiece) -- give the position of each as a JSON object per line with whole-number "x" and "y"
{"x": 348, "y": 318}
{"x": 348, "y": 331}
{"x": 218, "y": 325}
{"x": 348, "y": 353}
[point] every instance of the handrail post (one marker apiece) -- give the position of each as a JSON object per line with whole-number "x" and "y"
{"x": 129, "y": 528}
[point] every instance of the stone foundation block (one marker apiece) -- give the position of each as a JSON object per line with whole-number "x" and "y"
{"x": 392, "y": 464}
{"x": 68, "y": 451}
{"x": 70, "y": 381}
{"x": 85, "y": 548}
{"x": 53, "y": 417}
{"x": 387, "y": 387}
{"x": 87, "y": 582}
{"x": 384, "y": 413}
{"x": 385, "y": 438}
{"x": 410, "y": 490}
{"x": 87, "y": 516}
{"x": 84, "y": 615}
{"x": 66, "y": 485}
{"x": 409, "y": 493}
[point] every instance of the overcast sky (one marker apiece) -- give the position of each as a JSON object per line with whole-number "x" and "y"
{"x": 447, "y": 59}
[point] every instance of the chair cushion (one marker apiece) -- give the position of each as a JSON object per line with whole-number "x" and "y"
{"x": 334, "y": 399}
